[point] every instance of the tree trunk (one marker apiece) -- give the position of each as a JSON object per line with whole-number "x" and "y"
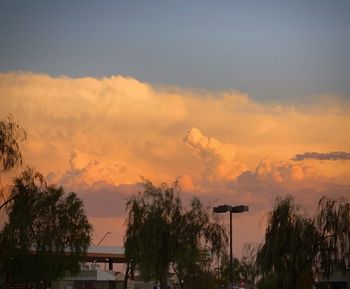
{"x": 163, "y": 283}
{"x": 126, "y": 277}
{"x": 164, "y": 280}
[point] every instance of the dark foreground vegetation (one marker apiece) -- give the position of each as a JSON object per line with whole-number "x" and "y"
{"x": 47, "y": 231}
{"x": 162, "y": 235}
{"x": 298, "y": 247}
{"x": 44, "y": 232}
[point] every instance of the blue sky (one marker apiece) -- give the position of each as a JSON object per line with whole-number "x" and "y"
{"x": 268, "y": 49}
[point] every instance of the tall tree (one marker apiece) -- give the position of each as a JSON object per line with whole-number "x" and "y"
{"x": 46, "y": 233}
{"x": 297, "y": 246}
{"x": 11, "y": 134}
{"x": 161, "y": 232}
{"x": 150, "y": 239}
{"x": 201, "y": 239}
{"x": 332, "y": 248}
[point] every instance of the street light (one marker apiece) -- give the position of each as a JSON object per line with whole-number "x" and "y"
{"x": 235, "y": 209}
{"x": 103, "y": 238}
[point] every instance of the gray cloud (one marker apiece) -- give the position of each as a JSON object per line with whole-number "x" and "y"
{"x": 322, "y": 156}
{"x": 106, "y": 200}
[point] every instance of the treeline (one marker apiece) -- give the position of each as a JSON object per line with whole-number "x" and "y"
{"x": 297, "y": 248}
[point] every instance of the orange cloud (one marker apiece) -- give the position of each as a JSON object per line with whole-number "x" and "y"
{"x": 282, "y": 171}
{"x": 98, "y": 136}
{"x": 219, "y": 158}
{"x": 186, "y": 183}
{"x": 85, "y": 169}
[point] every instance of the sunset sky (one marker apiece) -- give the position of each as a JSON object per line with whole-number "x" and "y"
{"x": 241, "y": 101}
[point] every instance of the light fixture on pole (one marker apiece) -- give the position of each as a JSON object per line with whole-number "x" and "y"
{"x": 231, "y": 209}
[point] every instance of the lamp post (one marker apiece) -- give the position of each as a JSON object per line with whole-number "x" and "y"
{"x": 104, "y": 236}
{"x": 235, "y": 209}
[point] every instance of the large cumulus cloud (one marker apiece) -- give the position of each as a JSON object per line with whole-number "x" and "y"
{"x": 219, "y": 158}
{"x": 98, "y": 137}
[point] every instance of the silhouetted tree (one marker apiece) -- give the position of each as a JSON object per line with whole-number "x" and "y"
{"x": 243, "y": 269}
{"x": 297, "y": 246}
{"x": 150, "y": 239}
{"x": 11, "y": 134}
{"x": 201, "y": 238}
{"x": 47, "y": 232}
{"x": 247, "y": 266}
{"x": 161, "y": 232}
{"x": 225, "y": 269}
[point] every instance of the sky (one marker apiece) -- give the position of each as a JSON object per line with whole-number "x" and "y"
{"x": 240, "y": 101}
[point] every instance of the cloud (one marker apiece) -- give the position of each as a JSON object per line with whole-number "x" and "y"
{"x": 282, "y": 171}
{"x": 97, "y": 136}
{"x": 97, "y": 182}
{"x": 273, "y": 179}
{"x": 322, "y": 156}
{"x": 186, "y": 182}
{"x": 219, "y": 158}
{"x": 105, "y": 200}
{"x": 141, "y": 127}
{"x": 88, "y": 170}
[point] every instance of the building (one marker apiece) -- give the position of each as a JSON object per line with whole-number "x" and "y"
{"x": 92, "y": 274}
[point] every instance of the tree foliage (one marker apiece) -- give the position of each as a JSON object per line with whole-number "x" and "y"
{"x": 46, "y": 233}
{"x": 200, "y": 239}
{"x": 243, "y": 270}
{"x": 298, "y": 246}
{"x": 247, "y": 268}
{"x": 332, "y": 248}
{"x": 225, "y": 270}
{"x": 161, "y": 232}
{"x": 11, "y": 134}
